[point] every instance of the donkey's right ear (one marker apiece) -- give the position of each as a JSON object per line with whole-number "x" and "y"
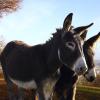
{"x": 67, "y": 22}
{"x": 80, "y": 30}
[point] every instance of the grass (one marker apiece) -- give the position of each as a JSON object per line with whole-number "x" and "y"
{"x": 89, "y": 89}
{"x": 83, "y": 92}
{"x": 88, "y": 93}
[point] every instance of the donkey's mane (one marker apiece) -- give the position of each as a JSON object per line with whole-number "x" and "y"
{"x": 55, "y": 37}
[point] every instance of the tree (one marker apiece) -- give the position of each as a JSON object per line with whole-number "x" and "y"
{"x": 2, "y": 43}
{"x": 8, "y": 6}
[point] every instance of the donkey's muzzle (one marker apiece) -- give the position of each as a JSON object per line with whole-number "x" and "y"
{"x": 90, "y": 75}
{"x": 80, "y": 66}
{"x": 92, "y": 79}
{"x": 81, "y": 70}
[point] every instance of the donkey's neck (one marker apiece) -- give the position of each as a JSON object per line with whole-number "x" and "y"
{"x": 53, "y": 62}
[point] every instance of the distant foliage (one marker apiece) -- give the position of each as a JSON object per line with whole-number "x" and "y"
{"x": 2, "y": 43}
{"x": 8, "y": 6}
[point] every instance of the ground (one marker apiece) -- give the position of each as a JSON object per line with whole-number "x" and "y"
{"x": 89, "y": 92}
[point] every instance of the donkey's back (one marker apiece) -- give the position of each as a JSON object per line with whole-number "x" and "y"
{"x": 23, "y": 62}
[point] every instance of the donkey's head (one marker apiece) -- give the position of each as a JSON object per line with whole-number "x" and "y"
{"x": 70, "y": 50}
{"x": 88, "y": 48}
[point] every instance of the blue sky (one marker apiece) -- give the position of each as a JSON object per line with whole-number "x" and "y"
{"x": 34, "y": 22}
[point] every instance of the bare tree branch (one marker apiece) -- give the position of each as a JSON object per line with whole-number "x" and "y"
{"x": 8, "y": 6}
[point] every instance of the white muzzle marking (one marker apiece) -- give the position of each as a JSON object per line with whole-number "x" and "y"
{"x": 91, "y": 73}
{"x": 80, "y": 66}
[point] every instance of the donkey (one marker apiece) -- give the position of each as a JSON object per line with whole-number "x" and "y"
{"x": 65, "y": 87}
{"x": 54, "y": 78}
{"x": 30, "y": 66}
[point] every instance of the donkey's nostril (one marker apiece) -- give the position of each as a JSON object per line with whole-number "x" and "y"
{"x": 71, "y": 44}
{"x": 92, "y": 78}
{"x": 81, "y": 69}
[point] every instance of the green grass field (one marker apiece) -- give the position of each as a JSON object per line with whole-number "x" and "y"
{"x": 92, "y": 90}
{"x": 88, "y": 93}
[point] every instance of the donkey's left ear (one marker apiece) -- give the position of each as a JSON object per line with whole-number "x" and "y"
{"x": 91, "y": 42}
{"x": 83, "y": 35}
{"x": 67, "y": 22}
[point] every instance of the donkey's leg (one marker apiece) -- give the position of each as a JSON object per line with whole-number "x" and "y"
{"x": 21, "y": 94}
{"x": 71, "y": 90}
{"x": 41, "y": 95}
{"x": 59, "y": 88}
{"x": 55, "y": 96}
{"x": 71, "y": 93}
{"x": 33, "y": 94}
{"x": 10, "y": 88}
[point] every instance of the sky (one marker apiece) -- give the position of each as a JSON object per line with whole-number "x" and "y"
{"x": 36, "y": 20}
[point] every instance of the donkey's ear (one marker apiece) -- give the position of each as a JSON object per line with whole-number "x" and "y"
{"x": 80, "y": 30}
{"x": 83, "y": 35}
{"x": 91, "y": 41}
{"x": 67, "y": 22}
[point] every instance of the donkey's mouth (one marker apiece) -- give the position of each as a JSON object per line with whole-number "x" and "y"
{"x": 80, "y": 71}
{"x": 89, "y": 78}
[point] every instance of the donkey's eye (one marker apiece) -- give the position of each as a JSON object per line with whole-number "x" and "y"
{"x": 70, "y": 45}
